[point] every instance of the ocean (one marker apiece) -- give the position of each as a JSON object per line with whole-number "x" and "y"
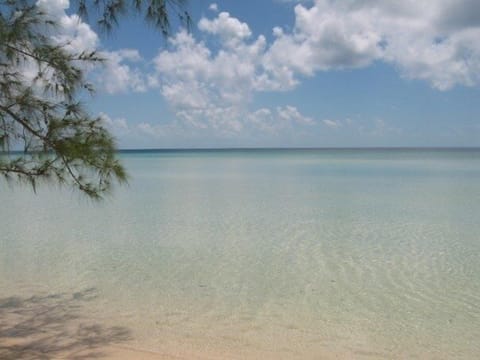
{"x": 260, "y": 253}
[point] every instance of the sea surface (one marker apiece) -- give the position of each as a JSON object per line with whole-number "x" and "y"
{"x": 282, "y": 254}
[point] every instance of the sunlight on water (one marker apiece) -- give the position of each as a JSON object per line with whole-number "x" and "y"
{"x": 282, "y": 254}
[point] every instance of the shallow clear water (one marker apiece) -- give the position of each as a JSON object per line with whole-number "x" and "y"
{"x": 280, "y": 253}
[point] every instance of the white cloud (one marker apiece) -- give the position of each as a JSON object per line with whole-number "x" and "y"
{"x": 55, "y": 8}
{"x": 211, "y": 89}
{"x": 117, "y": 73}
{"x": 435, "y": 41}
{"x": 144, "y": 132}
{"x": 281, "y": 120}
{"x": 113, "y": 123}
{"x": 428, "y": 40}
{"x": 291, "y": 114}
{"x": 214, "y": 90}
{"x": 257, "y": 128}
{"x": 323, "y": 39}
{"x": 228, "y": 28}
{"x": 208, "y": 90}
{"x": 71, "y": 31}
{"x": 333, "y": 124}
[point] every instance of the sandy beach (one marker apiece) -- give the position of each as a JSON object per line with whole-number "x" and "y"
{"x": 14, "y": 349}
{"x": 61, "y": 326}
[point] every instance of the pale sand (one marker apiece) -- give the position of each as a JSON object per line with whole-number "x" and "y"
{"x": 59, "y": 326}
{"x": 124, "y": 353}
{"x": 14, "y": 350}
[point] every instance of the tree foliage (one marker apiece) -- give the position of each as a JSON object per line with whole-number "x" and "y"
{"x": 155, "y": 12}
{"x": 41, "y": 83}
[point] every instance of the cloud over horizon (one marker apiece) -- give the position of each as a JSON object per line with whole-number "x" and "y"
{"x": 425, "y": 40}
{"x": 210, "y": 80}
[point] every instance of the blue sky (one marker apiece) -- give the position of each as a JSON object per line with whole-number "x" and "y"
{"x": 288, "y": 73}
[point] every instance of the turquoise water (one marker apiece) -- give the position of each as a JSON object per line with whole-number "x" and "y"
{"x": 263, "y": 253}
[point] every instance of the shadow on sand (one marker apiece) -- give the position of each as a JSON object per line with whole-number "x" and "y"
{"x": 45, "y": 327}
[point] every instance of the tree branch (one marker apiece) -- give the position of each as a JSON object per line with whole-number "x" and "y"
{"x": 26, "y": 125}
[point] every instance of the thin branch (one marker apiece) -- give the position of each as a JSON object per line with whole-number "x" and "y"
{"x": 49, "y": 62}
{"x": 26, "y": 125}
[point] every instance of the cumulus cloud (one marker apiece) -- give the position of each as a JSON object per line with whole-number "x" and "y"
{"x": 435, "y": 41}
{"x": 228, "y": 28}
{"x": 207, "y": 90}
{"x": 117, "y": 74}
{"x": 432, "y": 41}
{"x": 428, "y": 40}
{"x": 211, "y": 88}
{"x": 324, "y": 38}
{"x": 214, "y": 90}
{"x": 71, "y": 31}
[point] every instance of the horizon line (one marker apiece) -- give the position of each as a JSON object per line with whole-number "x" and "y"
{"x": 266, "y": 148}
{"x": 304, "y": 148}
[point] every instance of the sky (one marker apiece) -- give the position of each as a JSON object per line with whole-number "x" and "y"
{"x": 285, "y": 73}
